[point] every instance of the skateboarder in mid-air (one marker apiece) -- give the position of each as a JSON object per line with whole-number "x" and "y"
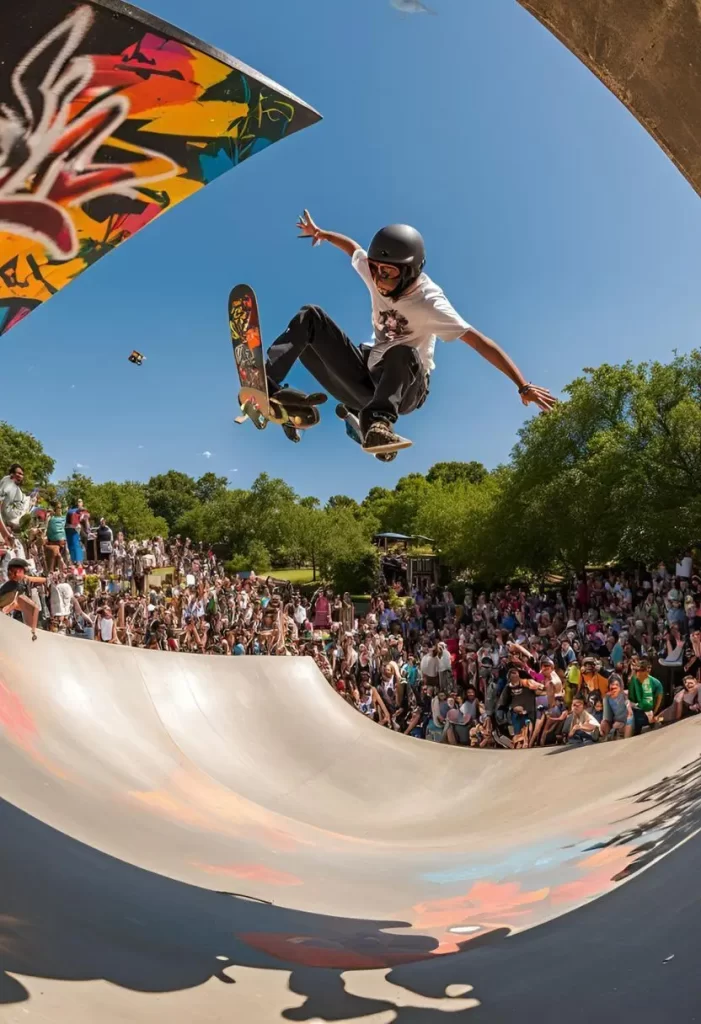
{"x": 389, "y": 377}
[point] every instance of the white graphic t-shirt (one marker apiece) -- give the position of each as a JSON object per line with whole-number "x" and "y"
{"x": 416, "y": 318}
{"x": 13, "y": 503}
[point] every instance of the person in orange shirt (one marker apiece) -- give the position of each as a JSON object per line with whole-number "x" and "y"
{"x": 592, "y": 678}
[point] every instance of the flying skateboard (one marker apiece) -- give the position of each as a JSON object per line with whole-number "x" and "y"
{"x": 386, "y": 453}
{"x": 254, "y": 399}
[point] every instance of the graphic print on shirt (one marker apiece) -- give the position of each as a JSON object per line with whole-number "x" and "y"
{"x": 390, "y": 325}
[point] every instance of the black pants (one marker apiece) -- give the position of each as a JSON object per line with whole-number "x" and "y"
{"x": 640, "y": 721}
{"x": 395, "y": 387}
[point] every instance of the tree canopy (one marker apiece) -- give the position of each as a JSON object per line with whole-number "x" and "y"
{"x": 18, "y": 446}
{"x": 125, "y": 505}
{"x": 613, "y": 473}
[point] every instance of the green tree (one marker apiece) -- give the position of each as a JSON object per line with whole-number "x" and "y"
{"x": 408, "y": 499}
{"x": 306, "y": 530}
{"x": 357, "y": 573}
{"x": 171, "y": 495}
{"x": 340, "y": 535}
{"x": 18, "y": 446}
{"x": 226, "y": 523}
{"x": 395, "y": 511}
{"x": 125, "y": 507}
{"x": 659, "y": 446}
{"x": 256, "y": 559}
{"x": 269, "y": 506}
{"x": 73, "y": 487}
{"x": 319, "y": 537}
{"x": 557, "y": 508}
{"x": 457, "y": 517}
{"x": 376, "y": 497}
{"x": 210, "y": 486}
{"x": 456, "y": 472}
{"x": 613, "y": 472}
{"x": 194, "y": 523}
{"x": 342, "y": 501}
{"x": 379, "y": 504}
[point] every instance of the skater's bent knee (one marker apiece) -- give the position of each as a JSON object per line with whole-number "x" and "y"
{"x": 307, "y": 312}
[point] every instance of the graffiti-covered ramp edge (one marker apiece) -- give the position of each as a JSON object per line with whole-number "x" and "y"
{"x": 108, "y": 118}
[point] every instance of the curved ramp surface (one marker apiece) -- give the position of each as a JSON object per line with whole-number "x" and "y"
{"x": 199, "y": 839}
{"x": 648, "y": 53}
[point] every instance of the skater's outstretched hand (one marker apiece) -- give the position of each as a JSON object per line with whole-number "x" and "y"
{"x": 308, "y": 229}
{"x": 539, "y": 396}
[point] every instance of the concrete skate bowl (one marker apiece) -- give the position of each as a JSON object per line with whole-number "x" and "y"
{"x": 191, "y": 839}
{"x": 647, "y": 53}
{"x": 200, "y": 839}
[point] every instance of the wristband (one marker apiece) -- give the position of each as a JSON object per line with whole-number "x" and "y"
{"x": 524, "y": 387}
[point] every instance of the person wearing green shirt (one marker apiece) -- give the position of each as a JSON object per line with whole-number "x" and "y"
{"x": 646, "y": 695}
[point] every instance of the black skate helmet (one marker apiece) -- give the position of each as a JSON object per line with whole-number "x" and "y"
{"x": 402, "y": 246}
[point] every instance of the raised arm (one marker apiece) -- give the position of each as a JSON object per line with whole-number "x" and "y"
{"x": 512, "y": 645}
{"x": 308, "y": 229}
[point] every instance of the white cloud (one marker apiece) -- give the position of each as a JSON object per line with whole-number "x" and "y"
{"x": 81, "y": 465}
{"x": 140, "y": 446}
{"x": 207, "y": 455}
{"x": 233, "y": 470}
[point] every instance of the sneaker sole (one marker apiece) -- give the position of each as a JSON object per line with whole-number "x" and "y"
{"x": 393, "y": 446}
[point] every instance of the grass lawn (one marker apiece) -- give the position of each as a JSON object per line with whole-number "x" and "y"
{"x": 303, "y": 575}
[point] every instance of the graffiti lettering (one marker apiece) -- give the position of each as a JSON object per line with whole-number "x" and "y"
{"x": 244, "y": 356}
{"x": 8, "y": 274}
{"x": 48, "y": 156}
{"x": 95, "y": 144}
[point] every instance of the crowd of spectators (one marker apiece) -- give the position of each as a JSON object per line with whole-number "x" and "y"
{"x": 605, "y": 658}
{"x": 600, "y": 658}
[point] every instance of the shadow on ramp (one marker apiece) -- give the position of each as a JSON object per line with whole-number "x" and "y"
{"x": 71, "y": 913}
{"x": 383, "y": 879}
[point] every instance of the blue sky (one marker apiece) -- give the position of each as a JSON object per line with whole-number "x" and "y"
{"x": 552, "y": 220}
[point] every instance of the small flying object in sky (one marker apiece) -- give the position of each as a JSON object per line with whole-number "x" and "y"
{"x": 411, "y": 7}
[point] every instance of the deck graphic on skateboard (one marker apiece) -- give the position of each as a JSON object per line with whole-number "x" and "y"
{"x": 255, "y": 402}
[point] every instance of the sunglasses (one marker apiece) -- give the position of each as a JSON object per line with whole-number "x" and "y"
{"x": 384, "y": 271}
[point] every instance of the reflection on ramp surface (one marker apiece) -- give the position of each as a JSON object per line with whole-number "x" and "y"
{"x": 204, "y": 838}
